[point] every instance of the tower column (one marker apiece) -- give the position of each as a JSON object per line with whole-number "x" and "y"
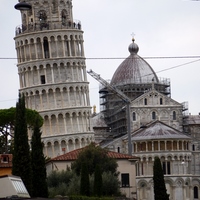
{"x": 63, "y": 45}
{"x": 42, "y": 44}
{"x": 50, "y": 51}
{"x": 29, "y": 50}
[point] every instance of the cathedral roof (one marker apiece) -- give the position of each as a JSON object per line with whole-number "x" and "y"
{"x": 134, "y": 69}
{"x": 158, "y": 130}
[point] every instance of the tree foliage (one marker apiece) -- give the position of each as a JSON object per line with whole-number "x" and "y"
{"x": 95, "y": 155}
{"x": 21, "y": 154}
{"x": 98, "y": 181}
{"x": 160, "y": 192}
{"x": 39, "y": 180}
{"x": 63, "y": 183}
{"x": 85, "y": 182}
{"x": 67, "y": 183}
{"x": 7, "y": 125}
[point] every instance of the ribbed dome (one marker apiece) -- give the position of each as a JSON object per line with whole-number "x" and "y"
{"x": 134, "y": 69}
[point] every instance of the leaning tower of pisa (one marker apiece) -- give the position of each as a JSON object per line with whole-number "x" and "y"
{"x": 52, "y": 73}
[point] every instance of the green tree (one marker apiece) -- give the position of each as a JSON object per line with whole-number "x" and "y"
{"x": 63, "y": 183}
{"x": 7, "y": 124}
{"x": 111, "y": 184}
{"x": 39, "y": 180}
{"x": 67, "y": 183}
{"x": 95, "y": 155}
{"x": 160, "y": 192}
{"x": 21, "y": 155}
{"x": 85, "y": 183}
{"x": 98, "y": 181}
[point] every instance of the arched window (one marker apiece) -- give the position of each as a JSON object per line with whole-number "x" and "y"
{"x": 153, "y": 115}
{"x": 134, "y": 116}
{"x": 145, "y": 101}
{"x": 42, "y": 16}
{"x": 46, "y": 47}
{"x": 161, "y": 101}
{"x": 196, "y": 192}
{"x": 64, "y": 17}
{"x": 174, "y": 115}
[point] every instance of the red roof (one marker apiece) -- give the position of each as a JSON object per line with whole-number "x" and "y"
{"x": 73, "y": 155}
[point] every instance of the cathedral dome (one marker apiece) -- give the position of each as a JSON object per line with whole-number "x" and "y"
{"x": 134, "y": 69}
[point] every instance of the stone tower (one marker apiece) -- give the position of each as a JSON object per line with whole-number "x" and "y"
{"x": 52, "y": 73}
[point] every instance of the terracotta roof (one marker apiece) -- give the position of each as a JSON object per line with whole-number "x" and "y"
{"x": 73, "y": 155}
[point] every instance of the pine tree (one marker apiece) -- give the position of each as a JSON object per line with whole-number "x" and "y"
{"x": 21, "y": 154}
{"x": 38, "y": 163}
{"x": 160, "y": 192}
{"x": 98, "y": 181}
{"x": 85, "y": 182}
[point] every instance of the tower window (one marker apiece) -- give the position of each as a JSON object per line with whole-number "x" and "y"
{"x": 174, "y": 115}
{"x": 153, "y": 115}
{"x": 125, "y": 180}
{"x": 46, "y": 47}
{"x": 42, "y": 78}
{"x": 134, "y": 116}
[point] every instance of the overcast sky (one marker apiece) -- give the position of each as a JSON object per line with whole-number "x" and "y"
{"x": 162, "y": 28}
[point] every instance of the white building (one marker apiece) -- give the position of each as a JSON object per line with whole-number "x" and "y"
{"x": 158, "y": 128}
{"x": 52, "y": 73}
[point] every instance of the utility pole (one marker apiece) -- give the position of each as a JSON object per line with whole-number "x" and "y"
{"x": 121, "y": 95}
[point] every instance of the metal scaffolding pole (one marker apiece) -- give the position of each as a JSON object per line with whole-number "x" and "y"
{"x": 123, "y": 97}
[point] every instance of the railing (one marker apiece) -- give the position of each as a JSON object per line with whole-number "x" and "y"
{"x": 34, "y": 27}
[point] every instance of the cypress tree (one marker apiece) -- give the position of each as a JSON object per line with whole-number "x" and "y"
{"x": 160, "y": 192}
{"x": 98, "y": 185}
{"x": 21, "y": 154}
{"x": 85, "y": 182}
{"x": 38, "y": 163}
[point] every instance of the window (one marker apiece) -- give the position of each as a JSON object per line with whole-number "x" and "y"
{"x": 196, "y": 195}
{"x": 4, "y": 158}
{"x": 161, "y": 101}
{"x": 166, "y": 167}
{"x": 42, "y": 78}
{"x": 125, "y": 180}
{"x": 118, "y": 149}
{"x": 46, "y": 47}
{"x": 153, "y": 115}
{"x": 64, "y": 17}
{"x": 174, "y": 115}
{"x": 134, "y": 116}
{"x": 145, "y": 101}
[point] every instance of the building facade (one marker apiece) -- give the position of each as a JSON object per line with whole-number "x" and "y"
{"x": 160, "y": 127}
{"x": 52, "y": 73}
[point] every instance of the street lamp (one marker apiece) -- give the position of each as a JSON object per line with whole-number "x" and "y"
{"x": 23, "y": 6}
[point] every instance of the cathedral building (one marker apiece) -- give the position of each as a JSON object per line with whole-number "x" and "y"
{"x": 52, "y": 73}
{"x": 160, "y": 127}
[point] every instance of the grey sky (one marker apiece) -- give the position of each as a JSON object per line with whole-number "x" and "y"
{"x": 163, "y": 28}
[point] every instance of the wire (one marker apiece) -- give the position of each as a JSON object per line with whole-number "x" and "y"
{"x": 148, "y": 57}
